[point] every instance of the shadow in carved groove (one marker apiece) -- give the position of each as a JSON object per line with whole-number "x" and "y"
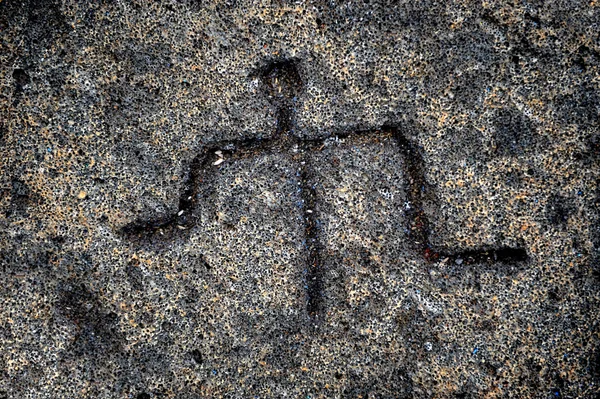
{"x": 283, "y": 85}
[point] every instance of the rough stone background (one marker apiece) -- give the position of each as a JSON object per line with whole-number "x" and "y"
{"x": 103, "y": 106}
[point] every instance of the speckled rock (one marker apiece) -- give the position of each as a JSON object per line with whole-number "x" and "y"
{"x": 375, "y": 199}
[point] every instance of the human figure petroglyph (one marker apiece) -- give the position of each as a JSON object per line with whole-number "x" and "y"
{"x": 283, "y": 85}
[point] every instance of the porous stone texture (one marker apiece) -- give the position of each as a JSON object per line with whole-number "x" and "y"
{"x": 410, "y": 210}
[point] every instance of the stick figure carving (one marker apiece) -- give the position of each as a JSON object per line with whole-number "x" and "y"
{"x": 283, "y": 85}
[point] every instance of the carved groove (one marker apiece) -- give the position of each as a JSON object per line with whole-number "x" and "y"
{"x": 283, "y": 85}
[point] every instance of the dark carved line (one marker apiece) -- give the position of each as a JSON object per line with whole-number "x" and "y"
{"x": 282, "y": 83}
{"x": 501, "y": 255}
{"x": 200, "y": 167}
{"x": 418, "y": 222}
{"x": 187, "y": 200}
{"x": 145, "y": 227}
{"x": 314, "y": 272}
{"x": 183, "y": 220}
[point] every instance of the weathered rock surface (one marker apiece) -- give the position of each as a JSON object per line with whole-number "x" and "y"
{"x": 374, "y": 199}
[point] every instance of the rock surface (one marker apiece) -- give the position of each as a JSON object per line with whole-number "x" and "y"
{"x": 299, "y": 199}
